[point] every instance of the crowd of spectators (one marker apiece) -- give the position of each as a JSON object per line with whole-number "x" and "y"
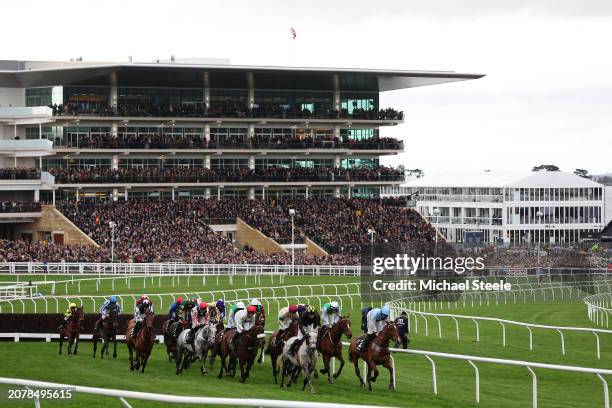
{"x": 156, "y": 174}
{"x": 196, "y": 141}
{"x": 194, "y": 110}
{"x": 19, "y": 173}
{"x": 549, "y": 256}
{"x": 19, "y": 207}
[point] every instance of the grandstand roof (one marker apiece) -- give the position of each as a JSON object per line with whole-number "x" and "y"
{"x": 526, "y": 179}
{"x": 189, "y": 74}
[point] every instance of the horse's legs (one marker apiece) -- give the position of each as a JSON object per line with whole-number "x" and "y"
{"x": 61, "y": 341}
{"x": 273, "y": 359}
{"x": 179, "y": 358}
{"x": 145, "y": 358}
{"x": 131, "y": 356}
{"x": 115, "y": 346}
{"x": 76, "y": 345}
{"x": 387, "y": 364}
{"x": 368, "y": 375}
{"x": 242, "y": 371}
{"x": 261, "y": 355}
{"x": 358, "y": 372}
{"x": 94, "y": 340}
{"x": 70, "y": 343}
{"x": 341, "y": 360}
{"x": 326, "y": 369}
{"x": 222, "y": 366}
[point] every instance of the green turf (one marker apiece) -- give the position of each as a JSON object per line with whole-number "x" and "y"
{"x": 501, "y": 386}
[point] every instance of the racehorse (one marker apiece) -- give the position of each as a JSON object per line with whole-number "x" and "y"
{"x": 106, "y": 330}
{"x": 274, "y": 352}
{"x": 245, "y": 352}
{"x": 169, "y": 328}
{"x": 330, "y": 345}
{"x": 376, "y": 354}
{"x": 72, "y": 331}
{"x": 203, "y": 341}
{"x": 305, "y": 360}
{"x": 143, "y": 343}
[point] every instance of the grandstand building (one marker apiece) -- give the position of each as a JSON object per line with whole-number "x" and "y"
{"x": 199, "y": 129}
{"x": 512, "y": 207}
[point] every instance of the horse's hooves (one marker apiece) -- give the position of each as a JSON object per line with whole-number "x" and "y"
{"x": 316, "y": 375}
{"x": 313, "y": 392}
{"x": 323, "y": 371}
{"x": 131, "y": 368}
{"x": 362, "y": 385}
{"x": 391, "y": 387}
{"x": 330, "y": 380}
{"x": 114, "y": 356}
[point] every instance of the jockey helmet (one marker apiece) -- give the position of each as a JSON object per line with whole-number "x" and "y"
{"x": 251, "y": 309}
{"x": 335, "y": 306}
{"x": 255, "y": 302}
{"x": 301, "y": 307}
{"x": 203, "y": 305}
{"x": 293, "y": 308}
{"x": 179, "y": 300}
{"x": 146, "y": 302}
{"x": 220, "y": 303}
{"x": 240, "y": 305}
{"x": 385, "y": 311}
{"x": 365, "y": 309}
{"x": 310, "y": 309}
{"x": 112, "y": 299}
{"x": 73, "y": 305}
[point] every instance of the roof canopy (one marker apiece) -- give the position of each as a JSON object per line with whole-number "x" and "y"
{"x": 222, "y": 76}
{"x": 535, "y": 179}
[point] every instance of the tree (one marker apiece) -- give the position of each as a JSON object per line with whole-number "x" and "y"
{"x": 582, "y": 173}
{"x": 418, "y": 173}
{"x": 545, "y": 167}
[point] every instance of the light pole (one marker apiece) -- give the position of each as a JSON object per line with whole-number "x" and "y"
{"x": 371, "y": 232}
{"x": 292, "y": 214}
{"x": 112, "y": 226}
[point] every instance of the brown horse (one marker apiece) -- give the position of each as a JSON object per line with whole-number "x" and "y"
{"x": 72, "y": 331}
{"x": 143, "y": 343}
{"x": 245, "y": 352}
{"x": 274, "y": 352}
{"x": 107, "y": 331}
{"x": 330, "y": 345}
{"x": 169, "y": 329}
{"x": 376, "y": 354}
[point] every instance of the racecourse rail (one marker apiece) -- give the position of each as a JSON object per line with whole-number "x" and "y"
{"x": 599, "y": 308}
{"x": 530, "y": 366}
{"x": 121, "y": 395}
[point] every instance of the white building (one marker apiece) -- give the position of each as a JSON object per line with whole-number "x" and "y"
{"x": 511, "y": 206}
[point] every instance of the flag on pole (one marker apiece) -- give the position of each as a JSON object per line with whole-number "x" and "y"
{"x": 293, "y": 33}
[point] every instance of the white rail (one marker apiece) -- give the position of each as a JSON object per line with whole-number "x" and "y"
{"x": 599, "y": 308}
{"x": 502, "y": 322}
{"x": 171, "y": 399}
{"x": 429, "y": 355}
{"x": 175, "y": 268}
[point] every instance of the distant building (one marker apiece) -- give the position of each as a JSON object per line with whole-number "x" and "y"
{"x": 510, "y": 206}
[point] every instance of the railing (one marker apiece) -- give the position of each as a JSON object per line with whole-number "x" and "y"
{"x": 280, "y": 295}
{"x": 121, "y": 395}
{"x": 502, "y": 323}
{"x": 175, "y": 269}
{"x": 599, "y": 372}
{"x": 599, "y": 308}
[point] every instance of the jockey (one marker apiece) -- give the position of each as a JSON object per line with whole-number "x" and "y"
{"x": 364, "y": 318}
{"x": 258, "y": 306}
{"x": 108, "y": 306}
{"x": 221, "y": 308}
{"x": 185, "y": 312}
{"x": 309, "y": 321}
{"x": 244, "y": 320}
{"x": 376, "y": 319}
{"x": 72, "y": 307}
{"x": 330, "y": 314}
{"x": 285, "y": 316}
{"x": 231, "y": 323}
{"x": 174, "y": 311}
{"x": 142, "y": 306}
{"x": 301, "y": 308}
{"x": 199, "y": 318}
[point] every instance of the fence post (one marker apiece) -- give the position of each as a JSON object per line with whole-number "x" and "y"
{"x": 433, "y": 373}
{"x": 606, "y": 392}
{"x": 477, "y": 380}
{"x": 534, "y": 381}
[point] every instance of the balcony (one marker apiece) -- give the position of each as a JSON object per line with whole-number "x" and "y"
{"x": 197, "y": 111}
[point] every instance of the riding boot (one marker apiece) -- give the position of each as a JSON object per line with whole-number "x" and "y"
{"x": 136, "y": 328}
{"x": 278, "y": 339}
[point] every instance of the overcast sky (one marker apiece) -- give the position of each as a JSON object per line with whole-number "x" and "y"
{"x": 547, "y": 96}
